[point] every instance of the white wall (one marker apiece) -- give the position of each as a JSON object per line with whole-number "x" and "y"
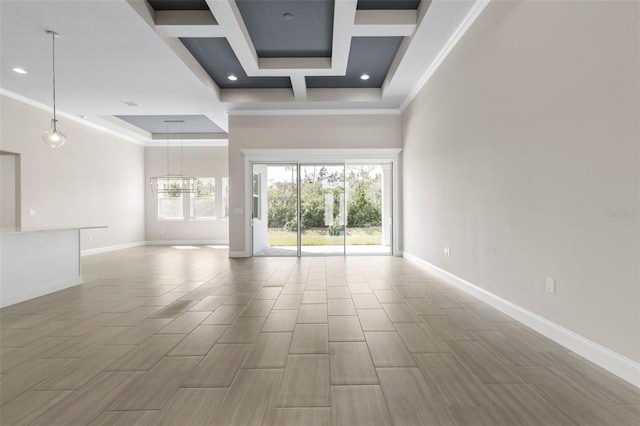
{"x": 331, "y": 132}
{"x": 516, "y": 151}
{"x": 95, "y": 179}
{"x": 198, "y": 162}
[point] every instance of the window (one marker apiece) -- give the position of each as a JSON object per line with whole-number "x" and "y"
{"x": 170, "y": 204}
{"x": 203, "y": 200}
{"x": 225, "y": 197}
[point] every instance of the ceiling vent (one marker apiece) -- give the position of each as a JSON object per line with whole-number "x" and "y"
{"x": 132, "y": 104}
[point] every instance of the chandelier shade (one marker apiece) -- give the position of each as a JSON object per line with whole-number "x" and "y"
{"x": 174, "y": 184}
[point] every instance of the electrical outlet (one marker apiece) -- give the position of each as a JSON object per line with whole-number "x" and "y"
{"x": 550, "y": 285}
{"x": 447, "y": 252}
{"x": 32, "y": 212}
{"x": 162, "y": 232}
{"x": 90, "y": 237}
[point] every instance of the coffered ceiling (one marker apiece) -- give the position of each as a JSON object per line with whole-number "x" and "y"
{"x": 130, "y": 65}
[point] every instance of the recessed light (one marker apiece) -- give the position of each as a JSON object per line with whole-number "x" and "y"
{"x": 288, "y": 16}
{"x": 232, "y": 77}
{"x": 20, "y": 70}
{"x": 365, "y": 77}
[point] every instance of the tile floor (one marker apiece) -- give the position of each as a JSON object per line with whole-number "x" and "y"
{"x": 158, "y": 335}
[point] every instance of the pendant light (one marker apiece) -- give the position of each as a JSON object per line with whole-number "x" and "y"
{"x": 177, "y": 183}
{"x": 53, "y": 137}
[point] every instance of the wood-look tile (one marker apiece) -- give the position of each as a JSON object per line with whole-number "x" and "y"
{"x": 351, "y": 364}
{"x": 345, "y": 329}
{"x": 480, "y": 416}
{"x": 467, "y": 320}
{"x": 257, "y": 308}
{"x": 243, "y": 330}
{"x": 484, "y": 365}
{"x": 360, "y": 288}
{"x": 316, "y": 285}
{"x": 486, "y": 312}
{"x": 198, "y": 294}
{"x": 410, "y": 399}
{"x": 310, "y": 339}
{"x": 78, "y": 347}
{"x": 312, "y": 314}
{"x": 224, "y": 315}
{"x": 341, "y": 307}
{"x": 270, "y": 293}
{"x": 307, "y": 416}
{"x": 192, "y": 407}
{"x": 512, "y": 350}
{"x": 288, "y": 301}
{"x": 359, "y": 405}
{"x": 219, "y": 367}
{"x": 269, "y": 350}
{"x": 133, "y": 317}
{"x": 338, "y": 293}
{"x": 400, "y": 312}
{"x": 528, "y": 405}
{"x": 86, "y": 403}
{"x": 450, "y": 381}
{"x": 423, "y": 306}
{"x": 581, "y": 405}
{"x": 30, "y": 405}
{"x": 445, "y": 329}
{"x": 388, "y": 296}
{"x": 30, "y": 374}
{"x": 387, "y": 350}
{"x": 155, "y": 387}
{"x": 175, "y": 309}
{"x": 590, "y": 376}
{"x": 280, "y": 321}
{"x": 289, "y": 289}
{"x": 127, "y": 418}
{"x": 147, "y": 354}
{"x": 139, "y": 332}
{"x": 375, "y": 320}
{"x": 305, "y": 382}
{"x": 185, "y": 323}
{"x": 249, "y": 399}
{"x": 445, "y": 300}
{"x": 199, "y": 341}
{"x": 366, "y": 301}
{"x": 314, "y": 296}
{"x": 419, "y": 338}
{"x": 378, "y": 284}
{"x": 84, "y": 369}
{"x": 209, "y": 303}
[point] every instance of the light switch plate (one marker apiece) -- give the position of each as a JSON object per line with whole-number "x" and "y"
{"x": 550, "y": 285}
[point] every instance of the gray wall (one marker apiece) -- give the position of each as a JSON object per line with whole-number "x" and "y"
{"x": 95, "y": 179}
{"x": 516, "y": 151}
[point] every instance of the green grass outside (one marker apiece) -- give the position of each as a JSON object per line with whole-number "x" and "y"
{"x": 320, "y": 237}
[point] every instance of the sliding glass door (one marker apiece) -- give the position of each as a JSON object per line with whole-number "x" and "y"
{"x": 322, "y": 213}
{"x": 306, "y": 209}
{"x": 274, "y": 218}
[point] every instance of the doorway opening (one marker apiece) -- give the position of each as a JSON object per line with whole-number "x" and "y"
{"x": 312, "y": 209}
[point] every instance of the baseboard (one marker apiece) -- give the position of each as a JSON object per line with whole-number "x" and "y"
{"x": 32, "y": 293}
{"x": 239, "y": 254}
{"x": 111, "y": 248}
{"x": 617, "y": 364}
{"x": 188, "y": 242}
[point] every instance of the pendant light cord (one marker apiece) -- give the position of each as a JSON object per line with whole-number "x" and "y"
{"x": 53, "y": 73}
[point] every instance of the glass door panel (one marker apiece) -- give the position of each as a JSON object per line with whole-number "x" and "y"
{"x": 322, "y": 215}
{"x": 369, "y": 207}
{"x": 275, "y": 210}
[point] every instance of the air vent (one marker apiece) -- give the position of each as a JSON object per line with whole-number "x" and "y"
{"x": 132, "y": 104}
